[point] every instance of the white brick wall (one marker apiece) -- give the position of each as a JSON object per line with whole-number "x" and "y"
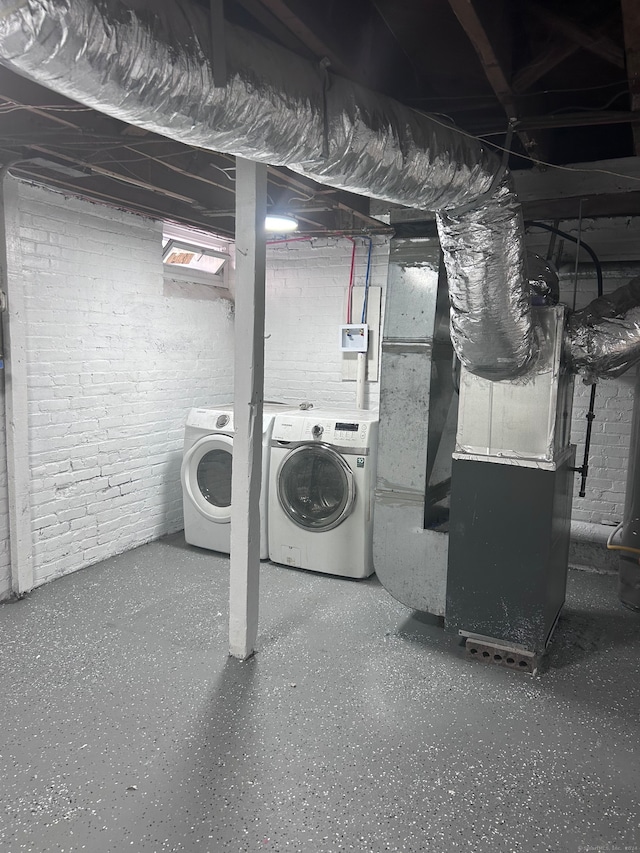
{"x": 115, "y": 360}
{"x": 5, "y": 565}
{"x": 616, "y": 241}
{"x": 306, "y": 287}
{"x": 605, "y": 489}
{"x": 117, "y": 357}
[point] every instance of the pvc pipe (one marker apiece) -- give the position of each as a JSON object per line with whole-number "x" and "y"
{"x": 361, "y": 380}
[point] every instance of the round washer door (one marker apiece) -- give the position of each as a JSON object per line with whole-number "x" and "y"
{"x": 206, "y": 476}
{"x": 316, "y": 488}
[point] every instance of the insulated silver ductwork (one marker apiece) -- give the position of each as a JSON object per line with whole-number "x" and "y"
{"x": 151, "y": 67}
{"x": 603, "y": 340}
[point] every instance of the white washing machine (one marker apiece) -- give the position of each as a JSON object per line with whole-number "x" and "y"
{"x": 321, "y": 487}
{"x": 206, "y": 476}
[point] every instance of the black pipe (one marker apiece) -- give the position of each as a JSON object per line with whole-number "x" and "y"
{"x": 590, "y": 416}
{"x": 585, "y": 246}
{"x": 584, "y": 471}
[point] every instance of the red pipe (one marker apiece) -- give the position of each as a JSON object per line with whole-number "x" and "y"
{"x": 352, "y": 271}
{"x": 351, "y": 279}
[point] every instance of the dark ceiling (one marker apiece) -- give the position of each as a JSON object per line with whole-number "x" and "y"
{"x": 563, "y": 75}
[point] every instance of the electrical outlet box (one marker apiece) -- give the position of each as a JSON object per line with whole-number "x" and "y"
{"x": 354, "y": 337}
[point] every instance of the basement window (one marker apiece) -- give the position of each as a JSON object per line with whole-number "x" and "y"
{"x": 192, "y": 256}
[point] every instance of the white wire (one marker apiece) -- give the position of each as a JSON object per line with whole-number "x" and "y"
{"x": 526, "y": 156}
{"x": 613, "y": 533}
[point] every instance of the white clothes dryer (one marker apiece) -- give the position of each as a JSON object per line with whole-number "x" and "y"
{"x": 206, "y": 476}
{"x": 321, "y": 490}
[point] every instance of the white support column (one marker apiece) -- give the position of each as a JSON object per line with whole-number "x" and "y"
{"x": 251, "y": 208}
{"x": 15, "y": 379}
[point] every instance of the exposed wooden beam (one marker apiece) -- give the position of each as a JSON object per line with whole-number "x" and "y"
{"x": 319, "y": 46}
{"x": 93, "y": 141}
{"x": 552, "y": 122}
{"x": 88, "y": 125}
{"x": 134, "y": 199}
{"x": 470, "y": 21}
{"x": 200, "y": 168}
{"x": 466, "y": 13}
{"x": 623, "y": 204}
{"x": 586, "y": 119}
{"x": 607, "y": 187}
{"x": 152, "y": 177}
{"x": 595, "y": 42}
{"x": 277, "y": 29}
{"x": 599, "y": 183}
{"x": 356, "y": 205}
{"x": 631, "y": 20}
{"x": 555, "y": 53}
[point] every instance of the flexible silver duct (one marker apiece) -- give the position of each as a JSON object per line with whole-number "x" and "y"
{"x": 603, "y": 340}
{"x": 149, "y": 64}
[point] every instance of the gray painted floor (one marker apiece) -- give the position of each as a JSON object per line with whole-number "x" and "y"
{"x": 357, "y": 726}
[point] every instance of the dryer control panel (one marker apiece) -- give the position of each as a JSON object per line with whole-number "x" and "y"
{"x": 335, "y": 432}
{"x": 343, "y": 429}
{"x": 314, "y": 429}
{"x": 220, "y": 420}
{"x": 346, "y": 431}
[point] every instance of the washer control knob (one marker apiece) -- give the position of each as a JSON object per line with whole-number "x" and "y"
{"x": 222, "y": 421}
{"x": 317, "y": 431}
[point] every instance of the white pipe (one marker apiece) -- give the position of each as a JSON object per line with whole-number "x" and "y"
{"x": 361, "y": 380}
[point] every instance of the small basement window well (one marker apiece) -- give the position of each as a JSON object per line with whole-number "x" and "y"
{"x": 195, "y": 257}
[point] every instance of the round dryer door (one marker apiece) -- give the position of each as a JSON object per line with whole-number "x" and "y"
{"x": 316, "y": 488}
{"x": 206, "y": 476}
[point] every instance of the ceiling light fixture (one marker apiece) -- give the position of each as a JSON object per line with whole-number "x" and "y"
{"x": 280, "y": 223}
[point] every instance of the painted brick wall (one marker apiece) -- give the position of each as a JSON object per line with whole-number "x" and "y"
{"x": 5, "y": 565}
{"x": 605, "y": 490}
{"x": 306, "y": 287}
{"x": 616, "y": 241}
{"x": 116, "y": 358}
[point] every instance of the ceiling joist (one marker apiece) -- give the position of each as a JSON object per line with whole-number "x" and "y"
{"x": 467, "y": 14}
{"x": 631, "y": 21}
{"x": 554, "y": 53}
{"x": 595, "y": 42}
{"x": 580, "y": 111}
{"x": 317, "y": 44}
{"x": 78, "y": 149}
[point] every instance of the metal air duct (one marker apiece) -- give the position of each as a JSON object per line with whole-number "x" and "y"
{"x": 151, "y": 67}
{"x": 603, "y": 339}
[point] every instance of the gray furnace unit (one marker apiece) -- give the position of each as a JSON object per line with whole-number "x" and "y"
{"x": 474, "y": 489}
{"x": 511, "y": 494}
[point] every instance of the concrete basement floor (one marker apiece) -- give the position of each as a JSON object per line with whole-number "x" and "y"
{"x": 358, "y": 726}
